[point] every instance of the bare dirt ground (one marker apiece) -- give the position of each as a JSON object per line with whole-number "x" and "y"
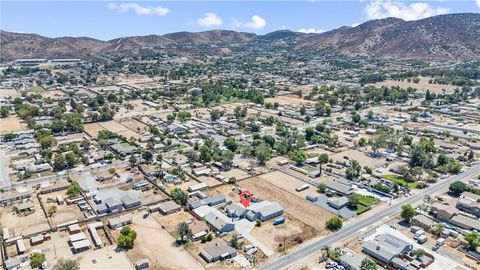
{"x": 9, "y": 93}
{"x": 237, "y": 173}
{"x": 106, "y": 258}
{"x": 134, "y": 125}
{"x": 283, "y": 100}
{"x": 272, "y": 235}
{"x": 302, "y": 210}
{"x": 422, "y": 86}
{"x": 65, "y": 213}
{"x": 11, "y": 124}
{"x": 210, "y": 181}
{"x": 287, "y": 183}
{"x": 361, "y": 157}
{"x": 113, "y": 126}
{"x": 92, "y": 129}
{"x": 24, "y": 225}
{"x": 54, "y": 94}
{"x": 158, "y": 245}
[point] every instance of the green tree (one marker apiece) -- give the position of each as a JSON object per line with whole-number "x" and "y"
{"x": 334, "y": 223}
{"x": 73, "y": 189}
{"x": 368, "y": 264}
{"x": 321, "y": 188}
{"x": 263, "y": 153}
{"x": 353, "y": 200}
{"x": 179, "y": 196}
{"x": 408, "y": 212}
{"x": 419, "y": 253}
{"x": 299, "y": 156}
{"x": 127, "y": 237}
{"x": 183, "y": 230}
{"x": 353, "y": 171}
{"x": 473, "y": 240}
{"x": 458, "y": 187}
{"x": 36, "y": 260}
{"x": 362, "y": 142}
{"x": 234, "y": 241}
{"x": 322, "y": 159}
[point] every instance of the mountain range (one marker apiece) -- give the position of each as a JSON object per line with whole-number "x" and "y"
{"x": 443, "y": 37}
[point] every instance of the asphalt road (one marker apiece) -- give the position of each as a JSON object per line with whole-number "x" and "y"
{"x": 352, "y": 228}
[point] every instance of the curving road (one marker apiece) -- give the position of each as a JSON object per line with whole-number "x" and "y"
{"x": 352, "y": 228}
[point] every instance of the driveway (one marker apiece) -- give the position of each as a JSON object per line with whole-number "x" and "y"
{"x": 244, "y": 227}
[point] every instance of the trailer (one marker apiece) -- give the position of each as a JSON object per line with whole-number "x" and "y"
{"x": 279, "y": 221}
{"x": 302, "y": 187}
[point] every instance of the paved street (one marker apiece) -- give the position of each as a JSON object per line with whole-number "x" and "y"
{"x": 350, "y": 229}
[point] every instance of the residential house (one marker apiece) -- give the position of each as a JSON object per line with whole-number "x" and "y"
{"x": 198, "y": 230}
{"x": 264, "y": 211}
{"x": 210, "y": 201}
{"x": 424, "y": 223}
{"x": 352, "y": 261}
{"x": 442, "y": 211}
{"x": 219, "y": 223}
{"x": 118, "y": 222}
{"x": 219, "y": 250}
{"x": 466, "y": 222}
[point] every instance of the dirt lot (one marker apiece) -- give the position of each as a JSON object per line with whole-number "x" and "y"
{"x": 272, "y": 236}
{"x": 361, "y": 157}
{"x": 159, "y": 246}
{"x": 302, "y": 210}
{"x": 24, "y": 225}
{"x": 106, "y": 258}
{"x": 9, "y": 93}
{"x": 287, "y": 183}
{"x": 210, "y": 181}
{"x": 11, "y": 124}
{"x": 65, "y": 213}
{"x": 237, "y": 173}
{"x": 134, "y": 125}
{"x": 423, "y": 85}
{"x": 53, "y": 94}
{"x": 283, "y": 100}
{"x": 113, "y": 126}
{"x": 92, "y": 129}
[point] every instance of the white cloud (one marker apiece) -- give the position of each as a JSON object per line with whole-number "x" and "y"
{"x": 256, "y": 23}
{"x": 310, "y": 30}
{"x": 378, "y": 9}
{"x": 355, "y": 24}
{"x": 138, "y": 9}
{"x": 478, "y": 3}
{"x": 210, "y": 19}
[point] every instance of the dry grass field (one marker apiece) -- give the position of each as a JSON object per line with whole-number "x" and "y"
{"x": 11, "y": 124}
{"x": 305, "y": 212}
{"x": 421, "y": 86}
{"x": 92, "y": 129}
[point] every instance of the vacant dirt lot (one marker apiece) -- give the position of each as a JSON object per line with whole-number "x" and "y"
{"x": 287, "y": 183}
{"x": 300, "y": 208}
{"x": 422, "y": 86}
{"x": 134, "y": 125}
{"x": 159, "y": 246}
{"x": 106, "y": 258}
{"x": 64, "y": 213}
{"x": 113, "y": 126}
{"x": 361, "y": 157}
{"x": 282, "y": 100}
{"x": 9, "y": 93}
{"x": 11, "y": 124}
{"x": 92, "y": 129}
{"x": 24, "y": 225}
{"x": 272, "y": 236}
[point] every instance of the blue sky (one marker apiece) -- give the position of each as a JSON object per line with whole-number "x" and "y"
{"x": 112, "y": 19}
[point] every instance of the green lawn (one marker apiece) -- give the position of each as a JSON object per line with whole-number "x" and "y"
{"x": 400, "y": 181}
{"x": 365, "y": 202}
{"x": 37, "y": 89}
